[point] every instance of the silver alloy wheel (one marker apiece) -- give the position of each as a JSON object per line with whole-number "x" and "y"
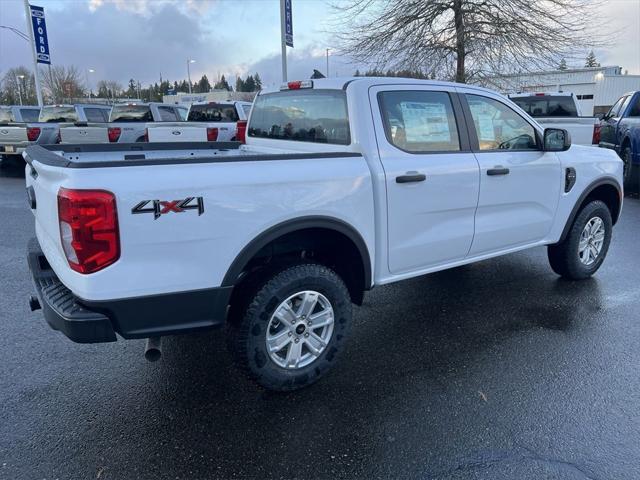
{"x": 300, "y": 329}
{"x": 591, "y": 241}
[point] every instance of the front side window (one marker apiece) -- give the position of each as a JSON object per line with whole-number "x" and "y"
{"x": 29, "y": 114}
{"x": 499, "y": 127}
{"x": 318, "y": 116}
{"x": 419, "y": 121}
{"x": 635, "y": 108}
{"x": 131, "y": 113}
{"x": 58, "y": 114}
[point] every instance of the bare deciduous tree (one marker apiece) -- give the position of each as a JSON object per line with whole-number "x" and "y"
{"x": 62, "y": 83}
{"x": 465, "y": 40}
{"x": 17, "y": 84}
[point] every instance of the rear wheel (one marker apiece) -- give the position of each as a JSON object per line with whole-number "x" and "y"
{"x": 584, "y": 249}
{"x": 288, "y": 333}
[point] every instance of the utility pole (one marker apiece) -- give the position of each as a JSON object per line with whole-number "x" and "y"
{"x": 327, "y": 63}
{"x": 18, "y": 78}
{"x": 189, "y": 62}
{"x": 36, "y": 76}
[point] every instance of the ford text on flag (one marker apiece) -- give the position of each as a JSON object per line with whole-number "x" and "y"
{"x": 288, "y": 23}
{"x": 40, "y": 34}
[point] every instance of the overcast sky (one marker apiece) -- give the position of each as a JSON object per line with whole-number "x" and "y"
{"x": 141, "y": 39}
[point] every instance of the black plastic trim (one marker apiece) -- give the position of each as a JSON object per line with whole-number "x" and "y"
{"x": 576, "y": 208}
{"x": 45, "y": 154}
{"x": 271, "y": 234}
{"x": 86, "y": 321}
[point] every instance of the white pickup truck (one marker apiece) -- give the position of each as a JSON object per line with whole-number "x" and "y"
{"x": 207, "y": 122}
{"x": 14, "y": 138}
{"x": 343, "y": 184}
{"x": 127, "y": 124}
{"x": 559, "y": 110}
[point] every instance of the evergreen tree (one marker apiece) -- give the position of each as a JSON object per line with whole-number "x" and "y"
{"x": 203, "y": 86}
{"x": 249, "y": 84}
{"x": 562, "y": 65}
{"x": 239, "y": 84}
{"x": 222, "y": 84}
{"x": 258, "y": 81}
{"x": 591, "y": 60}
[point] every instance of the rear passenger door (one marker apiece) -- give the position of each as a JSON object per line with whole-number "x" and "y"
{"x": 520, "y": 184}
{"x": 431, "y": 175}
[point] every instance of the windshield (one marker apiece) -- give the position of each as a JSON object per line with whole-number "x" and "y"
{"x": 5, "y": 114}
{"x": 58, "y": 114}
{"x": 318, "y": 116}
{"x": 213, "y": 112}
{"x": 548, "y": 105}
{"x": 131, "y": 113}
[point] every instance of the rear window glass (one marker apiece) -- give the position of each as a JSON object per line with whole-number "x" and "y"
{"x": 247, "y": 110}
{"x": 29, "y": 114}
{"x": 96, "y": 114}
{"x": 318, "y": 116}
{"x": 5, "y": 114}
{"x": 213, "y": 112}
{"x": 131, "y": 113}
{"x": 58, "y": 114}
{"x": 548, "y": 106}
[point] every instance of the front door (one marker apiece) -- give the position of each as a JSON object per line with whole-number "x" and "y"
{"x": 431, "y": 175}
{"x": 519, "y": 183}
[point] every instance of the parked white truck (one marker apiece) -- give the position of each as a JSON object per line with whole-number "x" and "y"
{"x": 559, "y": 110}
{"x": 343, "y": 184}
{"x": 45, "y": 130}
{"x": 127, "y": 123}
{"x": 206, "y": 122}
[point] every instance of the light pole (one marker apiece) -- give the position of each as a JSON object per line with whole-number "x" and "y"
{"x": 86, "y": 73}
{"x": 189, "y": 62}
{"x": 36, "y": 74}
{"x": 327, "y": 63}
{"x": 19, "y": 78}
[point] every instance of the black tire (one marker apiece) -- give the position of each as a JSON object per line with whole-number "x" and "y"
{"x": 628, "y": 174}
{"x": 249, "y": 325}
{"x": 564, "y": 257}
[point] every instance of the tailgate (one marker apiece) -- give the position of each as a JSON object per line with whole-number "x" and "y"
{"x": 168, "y": 133}
{"x": 88, "y": 134}
{"x": 13, "y": 134}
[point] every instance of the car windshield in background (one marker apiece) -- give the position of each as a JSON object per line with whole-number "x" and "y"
{"x": 6, "y": 115}
{"x": 547, "y": 106}
{"x": 58, "y": 114}
{"x": 213, "y": 112}
{"x": 318, "y": 116}
{"x": 131, "y": 113}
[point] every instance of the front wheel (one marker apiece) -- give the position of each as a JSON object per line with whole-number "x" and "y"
{"x": 289, "y": 333}
{"x": 584, "y": 249}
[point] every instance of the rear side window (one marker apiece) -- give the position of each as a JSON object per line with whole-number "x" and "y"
{"x": 131, "y": 113}
{"x": 168, "y": 114}
{"x": 182, "y": 112}
{"x": 29, "y": 114}
{"x": 213, "y": 112}
{"x": 318, "y": 116}
{"x": 547, "y": 106}
{"x": 615, "y": 110}
{"x": 419, "y": 121}
{"x": 96, "y": 115}
{"x": 58, "y": 114}
{"x": 247, "y": 110}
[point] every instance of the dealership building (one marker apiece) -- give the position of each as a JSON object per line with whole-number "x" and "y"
{"x": 596, "y": 89}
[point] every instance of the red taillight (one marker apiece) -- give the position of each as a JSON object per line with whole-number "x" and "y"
{"x": 212, "y": 134}
{"x": 114, "y": 134}
{"x": 294, "y": 85}
{"x": 241, "y": 134}
{"x": 33, "y": 133}
{"x": 595, "y": 139}
{"x": 145, "y": 137}
{"x": 540, "y": 94}
{"x": 88, "y": 228}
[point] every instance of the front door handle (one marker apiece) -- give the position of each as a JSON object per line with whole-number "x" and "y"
{"x": 411, "y": 177}
{"x": 498, "y": 170}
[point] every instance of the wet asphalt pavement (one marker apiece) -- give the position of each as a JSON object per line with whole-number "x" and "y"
{"x": 498, "y": 370}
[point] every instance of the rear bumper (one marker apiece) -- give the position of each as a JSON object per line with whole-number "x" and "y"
{"x": 86, "y": 321}
{"x": 13, "y": 149}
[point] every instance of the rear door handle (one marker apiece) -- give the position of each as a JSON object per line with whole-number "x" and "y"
{"x": 498, "y": 170}
{"x": 411, "y": 177}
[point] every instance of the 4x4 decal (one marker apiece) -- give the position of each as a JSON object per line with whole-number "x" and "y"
{"x": 161, "y": 207}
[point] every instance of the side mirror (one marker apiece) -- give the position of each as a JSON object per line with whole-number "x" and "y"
{"x": 556, "y": 140}
{"x": 601, "y": 116}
